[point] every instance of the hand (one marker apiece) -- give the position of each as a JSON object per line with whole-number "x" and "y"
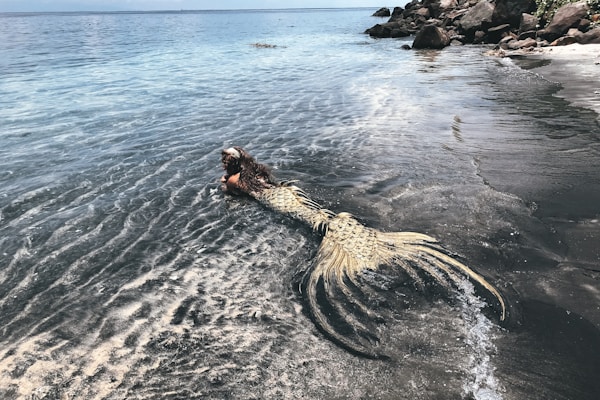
{"x": 230, "y": 183}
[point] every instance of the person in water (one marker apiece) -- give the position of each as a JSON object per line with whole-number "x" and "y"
{"x": 243, "y": 174}
{"x": 347, "y": 250}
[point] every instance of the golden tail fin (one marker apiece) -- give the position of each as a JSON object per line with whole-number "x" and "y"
{"x": 350, "y": 248}
{"x": 327, "y": 293}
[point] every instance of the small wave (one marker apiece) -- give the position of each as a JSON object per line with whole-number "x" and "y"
{"x": 482, "y": 384}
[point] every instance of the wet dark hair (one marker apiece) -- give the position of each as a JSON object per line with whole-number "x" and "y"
{"x": 254, "y": 177}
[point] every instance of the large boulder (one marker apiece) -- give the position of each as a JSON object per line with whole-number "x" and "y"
{"x": 382, "y": 12}
{"x": 566, "y": 17}
{"x": 431, "y": 37}
{"x": 478, "y": 18}
{"x": 528, "y": 23}
{"x": 397, "y": 14}
{"x": 591, "y": 36}
{"x": 394, "y": 29}
{"x": 509, "y": 11}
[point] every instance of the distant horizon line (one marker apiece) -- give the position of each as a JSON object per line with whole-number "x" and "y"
{"x": 133, "y": 11}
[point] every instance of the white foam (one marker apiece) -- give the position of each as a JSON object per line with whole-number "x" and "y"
{"x": 482, "y": 383}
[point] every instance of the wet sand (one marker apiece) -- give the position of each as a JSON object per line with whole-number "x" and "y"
{"x": 575, "y": 67}
{"x": 573, "y": 213}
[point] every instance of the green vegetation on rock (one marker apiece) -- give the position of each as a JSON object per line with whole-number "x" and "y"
{"x": 547, "y": 8}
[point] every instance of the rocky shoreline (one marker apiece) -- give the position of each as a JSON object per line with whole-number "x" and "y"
{"x": 509, "y": 24}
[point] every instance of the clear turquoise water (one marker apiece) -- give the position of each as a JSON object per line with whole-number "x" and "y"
{"x": 126, "y": 273}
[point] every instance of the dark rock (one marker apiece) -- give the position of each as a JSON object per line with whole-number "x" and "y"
{"x": 509, "y": 23}
{"x": 264, "y": 45}
{"x": 479, "y": 17}
{"x": 394, "y": 29}
{"x": 397, "y": 14}
{"x": 528, "y": 23}
{"x": 479, "y": 37}
{"x": 382, "y": 12}
{"x": 423, "y": 12}
{"x": 510, "y": 11}
{"x": 397, "y": 11}
{"x": 566, "y": 17}
{"x": 432, "y": 5}
{"x": 400, "y": 32}
{"x": 589, "y": 37}
{"x": 376, "y": 31}
{"x": 522, "y": 44}
{"x": 405, "y": 47}
{"x": 564, "y": 41}
{"x": 506, "y": 39}
{"x": 584, "y": 25}
{"x": 503, "y": 44}
{"x": 431, "y": 37}
{"x": 497, "y": 32}
{"x": 527, "y": 35}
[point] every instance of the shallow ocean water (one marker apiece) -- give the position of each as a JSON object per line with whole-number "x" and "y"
{"x": 126, "y": 273}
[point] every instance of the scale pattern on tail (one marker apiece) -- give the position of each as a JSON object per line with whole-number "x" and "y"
{"x": 293, "y": 201}
{"x": 349, "y": 248}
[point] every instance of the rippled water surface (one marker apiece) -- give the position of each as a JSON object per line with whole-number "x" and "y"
{"x": 126, "y": 273}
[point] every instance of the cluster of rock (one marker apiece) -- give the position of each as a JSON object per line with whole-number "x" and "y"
{"x": 508, "y": 23}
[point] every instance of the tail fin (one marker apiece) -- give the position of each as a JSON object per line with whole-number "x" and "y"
{"x": 349, "y": 248}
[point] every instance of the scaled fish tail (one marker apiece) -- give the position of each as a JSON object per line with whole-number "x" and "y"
{"x": 350, "y": 248}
